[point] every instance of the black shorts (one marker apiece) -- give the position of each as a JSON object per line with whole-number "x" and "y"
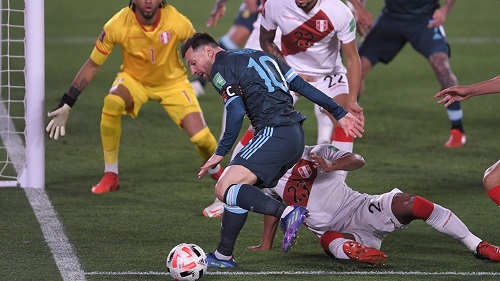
{"x": 389, "y": 35}
{"x": 245, "y": 18}
{"x": 271, "y": 153}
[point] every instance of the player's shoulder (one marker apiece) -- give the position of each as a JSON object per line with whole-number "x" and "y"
{"x": 121, "y": 15}
{"x": 171, "y": 11}
{"x": 335, "y": 8}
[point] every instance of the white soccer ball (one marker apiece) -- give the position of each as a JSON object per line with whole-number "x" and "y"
{"x": 187, "y": 262}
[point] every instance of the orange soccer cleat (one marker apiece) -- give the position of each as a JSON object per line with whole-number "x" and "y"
{"x": 457, "y": 139}
{"x": 357, "y": 252}
{"x": 486, "y": 251}
{"x": 108, "y": 183}
{"x": 215, "y": 210}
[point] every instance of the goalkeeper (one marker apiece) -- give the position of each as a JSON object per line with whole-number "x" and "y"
{"x": 148, "y": 33}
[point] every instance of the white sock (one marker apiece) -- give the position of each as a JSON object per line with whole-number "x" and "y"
{"x": 220, "y": 256}
{"x": 336, "y": 248}
{"x": 325, "y": 126}
{"x": 287, "y": 210}
{"x": 214, "y": 170}
{"x": 111, "y": 168}
{"x": 445, "y": 221}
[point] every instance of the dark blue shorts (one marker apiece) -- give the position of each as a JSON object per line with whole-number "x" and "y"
{"x": 389, "y": 35}
{"x": 245, "y": 18}
{"x": 271, "y": 153}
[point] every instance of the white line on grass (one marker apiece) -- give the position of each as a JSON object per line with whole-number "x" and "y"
{"x": 230, "y": 273}
{"x": 453, "y": 40}
{"x": 64, "y": 255}
{"x": 56, "y": 239}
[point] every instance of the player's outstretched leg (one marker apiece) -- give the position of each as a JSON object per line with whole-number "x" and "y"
{"x": 290, "y": 225}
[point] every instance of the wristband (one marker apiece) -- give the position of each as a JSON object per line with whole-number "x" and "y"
{"x": 73, "y": 92}
{"x": 67, "y": 99}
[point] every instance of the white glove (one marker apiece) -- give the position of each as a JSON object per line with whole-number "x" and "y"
{"x": 59, "y": 119}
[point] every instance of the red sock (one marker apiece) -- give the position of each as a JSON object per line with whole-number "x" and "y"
{"x": 422, "y": 208}
{"x": 327, "y": 238}
{"x": 246, "y": 137}
{"x": 339, "y": 135}
{"x": 494, "y": 194}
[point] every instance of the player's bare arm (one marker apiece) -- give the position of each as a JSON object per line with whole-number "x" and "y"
{"x": 459, "y": 93}
{"x": 59, "y": 116}
{"x": 364, "y": 17}
{"x": 268, "y": 233}
{"x": 439, "y": 16}
{"x": 218, "y": 11}
{"x": 348, "y": 162}
{"x": 267, "y": 43}
{"x": 354, "y": 77}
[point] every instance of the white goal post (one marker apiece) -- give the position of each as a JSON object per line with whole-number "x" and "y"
{"x": 22, "y": 94}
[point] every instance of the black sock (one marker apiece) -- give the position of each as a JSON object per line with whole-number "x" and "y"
{"x": 253, "y": 199}
{"x": 230, "y": 227}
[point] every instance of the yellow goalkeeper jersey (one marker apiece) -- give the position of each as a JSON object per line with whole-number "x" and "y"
{"x": 150, "y": 53}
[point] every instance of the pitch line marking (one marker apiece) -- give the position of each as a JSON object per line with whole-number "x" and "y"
{"x": 232, "y": 273}
{"x": 52, "y": 229}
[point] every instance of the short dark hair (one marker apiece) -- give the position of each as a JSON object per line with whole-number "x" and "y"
{"x": 132, "y": 5}
{"x": 197, "y": 40}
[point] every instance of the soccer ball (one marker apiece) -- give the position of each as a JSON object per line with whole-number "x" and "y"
{"x": 187, "y": 262}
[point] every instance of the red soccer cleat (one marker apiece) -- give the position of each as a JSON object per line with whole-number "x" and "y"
{"x": 457, "y": 139}
{"x": 108, "y": 183}
{"x": 357, "y": 252}
{"x": 486, "y": 251}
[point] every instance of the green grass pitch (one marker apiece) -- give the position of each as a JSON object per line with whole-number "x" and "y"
{"x": 126, "y": 235}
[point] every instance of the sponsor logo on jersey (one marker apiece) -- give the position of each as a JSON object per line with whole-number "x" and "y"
{"x": 103, "y": 34}
{"x": 321, "y": 25}
{"x": 218, "y": 81}
{"x": 165, "y": 37}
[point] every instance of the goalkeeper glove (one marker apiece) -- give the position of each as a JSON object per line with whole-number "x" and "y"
{"x": 59, "y": 117}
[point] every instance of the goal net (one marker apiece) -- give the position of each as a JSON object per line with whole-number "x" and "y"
{"x": 22, "y": 91}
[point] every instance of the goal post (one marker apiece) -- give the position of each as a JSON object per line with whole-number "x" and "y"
{"x": 22, "y": 93}
{"x": 34, "y": 177}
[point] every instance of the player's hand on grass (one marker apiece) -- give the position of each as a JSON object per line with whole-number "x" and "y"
{"x": 56, "y": 126}
{"x": 211, "y": 163}
{"x": 351, "y": 125}
{"x": 259, "y": 247}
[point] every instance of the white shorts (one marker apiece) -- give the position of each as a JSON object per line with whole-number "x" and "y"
{"x": 332, "y": 84}
{"x": 371, "y": 222}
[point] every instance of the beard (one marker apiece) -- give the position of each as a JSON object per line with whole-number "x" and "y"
{"x": 302, "y": 6}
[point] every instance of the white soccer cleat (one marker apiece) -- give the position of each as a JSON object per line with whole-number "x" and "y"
{"x": 215, "y": 210}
